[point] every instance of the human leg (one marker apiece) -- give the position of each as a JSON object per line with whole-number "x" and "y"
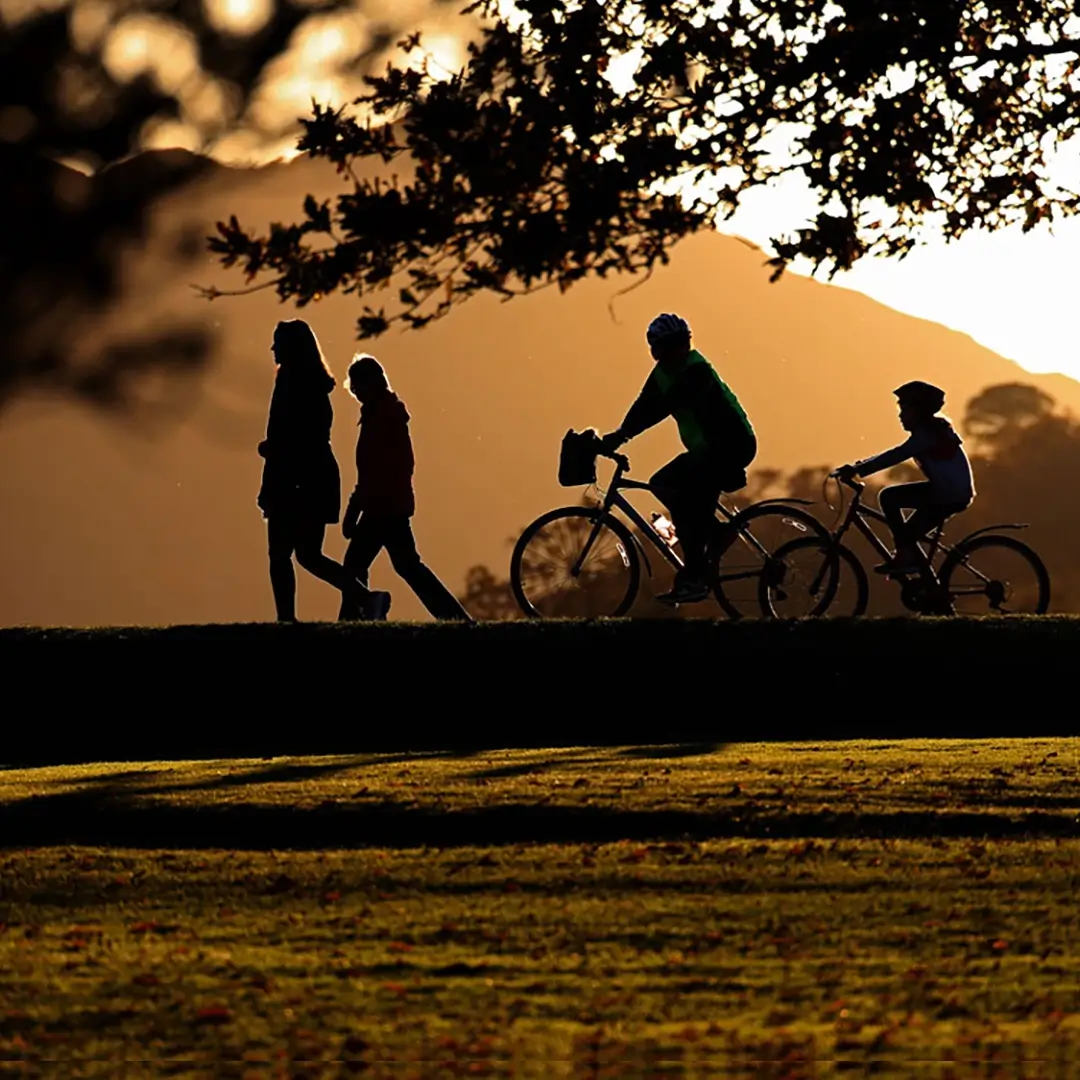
{"x": 365, "y": 544}
{"x": 309, "y": 554}
{"x": 689, "y": 487}
{"x": 894, "y": 500}
{"x": 432, "y": 593}
{"x": 279, "y": 536}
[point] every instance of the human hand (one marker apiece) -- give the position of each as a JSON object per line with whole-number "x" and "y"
{"x": 611, "y": 442}
{"x": 846, "y": 473}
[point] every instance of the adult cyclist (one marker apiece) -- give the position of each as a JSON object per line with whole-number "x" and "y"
{"x": 719, "y": 440}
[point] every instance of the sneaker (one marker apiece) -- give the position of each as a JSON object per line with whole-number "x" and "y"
{"x": 377, "y": 606}
{"x": 903, "y": 562}
{"x": 689, "y": 591}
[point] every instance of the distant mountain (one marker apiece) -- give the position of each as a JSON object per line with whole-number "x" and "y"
{"x": 106, "y": 526}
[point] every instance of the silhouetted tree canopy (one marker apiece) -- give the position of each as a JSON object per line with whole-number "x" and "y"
{"x": 543, "y": 161}
{"x": 1000, "y": 413}
{"x": 87, "y": 84}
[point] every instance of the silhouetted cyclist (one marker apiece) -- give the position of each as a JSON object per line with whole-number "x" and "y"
{"x": 383, "y": 501}
{"x": 938, "y": 451}
{"x": 301, "y": 486}
{"x": 719, "y": 440}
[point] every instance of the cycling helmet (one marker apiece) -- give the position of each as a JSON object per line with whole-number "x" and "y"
{"x": 666, "y": 326}
{"x": 921, "y": 395}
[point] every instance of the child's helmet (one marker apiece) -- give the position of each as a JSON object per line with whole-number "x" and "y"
{"x": 921, "y": 395}
{"x": 667, "y": 326}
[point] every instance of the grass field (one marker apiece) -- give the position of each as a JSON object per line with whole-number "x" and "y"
{"x": 328, "y": 688}
{"x": 745, "y": 910}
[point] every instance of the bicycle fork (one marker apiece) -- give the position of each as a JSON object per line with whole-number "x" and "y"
{"x": 575, "y": 570}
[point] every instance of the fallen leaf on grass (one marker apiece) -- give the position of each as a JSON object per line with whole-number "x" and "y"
{"x": 214, "y": 1014}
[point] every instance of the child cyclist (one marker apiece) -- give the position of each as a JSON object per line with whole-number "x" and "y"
{"x": 939, "y": 453}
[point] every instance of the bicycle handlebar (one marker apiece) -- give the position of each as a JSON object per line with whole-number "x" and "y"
{"x": 850, "y": 481}
{"x": 621, "y": 460}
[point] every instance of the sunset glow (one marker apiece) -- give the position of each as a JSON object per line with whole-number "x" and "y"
{"x": 142, "y": 44}
{"x": 239, "y": 17}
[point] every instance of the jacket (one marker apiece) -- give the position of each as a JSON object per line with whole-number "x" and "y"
{"x": 300, "y": 474}
{"x": 384, "y": 460}
{"x": 711, "y": 420}
{"x": 939, "y": 453}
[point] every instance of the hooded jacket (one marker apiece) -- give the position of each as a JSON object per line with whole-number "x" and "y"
{"x": 384, "y": 460}
{"x": 939, "y": 453}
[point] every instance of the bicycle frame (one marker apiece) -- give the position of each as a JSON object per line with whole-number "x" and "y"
{"x": 857, "y": 515}
{"x": 614, "y": 499}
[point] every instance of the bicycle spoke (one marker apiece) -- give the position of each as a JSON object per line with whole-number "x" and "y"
{"x": 998, "y": 576}
{"x": 739, "y": 570}
{"x": 568, "y": 568}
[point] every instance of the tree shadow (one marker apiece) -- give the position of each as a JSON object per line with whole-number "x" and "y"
{"x": 673, "y": 750}
{"x": 530, "y": 767}
{"x": 109, "y": 816}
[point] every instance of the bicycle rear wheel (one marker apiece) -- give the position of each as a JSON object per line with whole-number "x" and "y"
{"x": 743, "y": 549}
{"x": 814, "y": 577}
{"x": 570, "y": 564}
{"x": 996, "y": 575}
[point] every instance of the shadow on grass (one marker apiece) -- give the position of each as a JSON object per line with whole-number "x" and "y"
{"x": 109, "y": 817}
{"x": 672, "y": 750}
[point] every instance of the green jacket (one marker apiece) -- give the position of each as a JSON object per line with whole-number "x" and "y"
{"x": 709, "y": 415}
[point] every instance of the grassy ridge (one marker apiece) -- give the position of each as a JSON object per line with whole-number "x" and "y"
{"x": 320, "y": 688}
{"x": 691, "y": 953}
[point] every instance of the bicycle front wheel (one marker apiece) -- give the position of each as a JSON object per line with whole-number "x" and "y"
{"x": 996, "y": 575}
{"x": 743, "y": 552}
{"x": 810, "y": 577}
{"x": 575, "y": 563}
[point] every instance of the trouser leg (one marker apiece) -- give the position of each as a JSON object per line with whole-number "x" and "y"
{"x": 279, "y": 537}
{"x": 365, "y": 545}
{"x": 894, "y": 500}
{"x": 431, "y": 592}
{"x": 309, "y": 554}
{"x": 690, "y": 492}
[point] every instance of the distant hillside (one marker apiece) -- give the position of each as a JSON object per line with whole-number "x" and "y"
{"x": 103, "y": 526}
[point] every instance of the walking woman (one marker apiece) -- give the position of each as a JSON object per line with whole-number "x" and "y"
{"x": 301, "y": 485}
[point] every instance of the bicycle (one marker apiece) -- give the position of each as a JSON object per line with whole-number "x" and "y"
{"x": 813, "y": 571}
{"x": 584, "y": 562}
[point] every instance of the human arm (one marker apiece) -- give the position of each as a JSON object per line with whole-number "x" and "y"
{"x": 649, "y": 408}
{"x": 887, "y": 459}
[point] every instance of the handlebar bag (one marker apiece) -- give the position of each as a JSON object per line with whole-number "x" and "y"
{"x": 577, "y": 459}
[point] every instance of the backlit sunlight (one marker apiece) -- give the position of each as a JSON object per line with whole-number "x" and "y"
{"x": 239, "y": 17}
